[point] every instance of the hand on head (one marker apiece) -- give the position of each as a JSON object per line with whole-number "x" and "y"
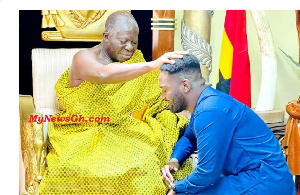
{"x": 168, "y": 58}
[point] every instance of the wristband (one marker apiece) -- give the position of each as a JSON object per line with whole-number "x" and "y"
{"x": 173, "y": 187}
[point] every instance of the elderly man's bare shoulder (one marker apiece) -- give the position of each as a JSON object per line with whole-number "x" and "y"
{"x": 85, "y": 55}
{"x": 83, "y": 64}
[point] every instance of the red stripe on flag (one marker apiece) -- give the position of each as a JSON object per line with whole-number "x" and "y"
{"x": 240, "y": 85}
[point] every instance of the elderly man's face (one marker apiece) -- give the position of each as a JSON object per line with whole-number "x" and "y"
{"x": 171, "y": 92}
{"x": 122, "y": 44}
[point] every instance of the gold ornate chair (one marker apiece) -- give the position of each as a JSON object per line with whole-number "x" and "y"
{"x": 47, "y": 66}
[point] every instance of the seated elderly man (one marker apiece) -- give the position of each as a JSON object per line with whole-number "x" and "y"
{"x": 124, "y": 153}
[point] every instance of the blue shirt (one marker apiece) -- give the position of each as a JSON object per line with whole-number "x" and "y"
{"x": 231, "y": 140}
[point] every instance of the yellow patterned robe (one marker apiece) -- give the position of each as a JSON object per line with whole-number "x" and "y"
{"x": 122, "y": 156}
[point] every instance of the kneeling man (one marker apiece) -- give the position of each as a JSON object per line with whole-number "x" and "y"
{"x": 237, "y": 152}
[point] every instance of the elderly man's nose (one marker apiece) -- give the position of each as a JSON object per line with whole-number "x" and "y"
{"x": 128, "y": 46}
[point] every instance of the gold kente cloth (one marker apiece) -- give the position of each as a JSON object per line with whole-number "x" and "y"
{"x": 122, "y": 156}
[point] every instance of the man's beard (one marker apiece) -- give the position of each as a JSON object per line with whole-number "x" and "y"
{"x": 179, "y": 103}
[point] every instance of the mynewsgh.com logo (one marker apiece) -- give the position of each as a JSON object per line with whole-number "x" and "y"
{"x": 74, "y": 118}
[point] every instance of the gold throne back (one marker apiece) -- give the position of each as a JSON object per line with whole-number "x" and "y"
{"x": 75, "y": 25}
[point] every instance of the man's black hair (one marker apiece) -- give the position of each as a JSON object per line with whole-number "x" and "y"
{"x": 187, "y": 65}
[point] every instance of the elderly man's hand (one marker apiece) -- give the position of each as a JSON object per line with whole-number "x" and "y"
{"x": 167, "y": 171}
{"x": 167, "y": 58}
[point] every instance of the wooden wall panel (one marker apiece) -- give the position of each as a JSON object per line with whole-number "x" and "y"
{"x": 163, "y": 29}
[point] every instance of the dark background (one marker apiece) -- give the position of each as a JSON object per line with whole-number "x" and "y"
{"x": 30, "y": 37}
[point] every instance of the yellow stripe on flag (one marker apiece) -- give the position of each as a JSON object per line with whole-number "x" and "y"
{"x": 225, "y": 64}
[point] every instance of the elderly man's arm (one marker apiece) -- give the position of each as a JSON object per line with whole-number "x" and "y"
{"x": 86, "y": 67}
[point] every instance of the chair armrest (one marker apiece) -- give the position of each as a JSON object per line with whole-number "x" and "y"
{"x": 32, "y": 145}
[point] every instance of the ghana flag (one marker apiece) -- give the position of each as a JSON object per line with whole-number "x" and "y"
{"x": 234, "y": 67}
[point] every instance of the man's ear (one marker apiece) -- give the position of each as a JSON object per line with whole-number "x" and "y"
{"x": 186, "y": 85}
{"x": 105, "y": 36}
